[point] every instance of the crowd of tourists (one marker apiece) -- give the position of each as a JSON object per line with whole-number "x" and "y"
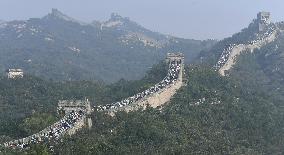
{"x": 53, "y": 132}
{"x": 259, "y": 39}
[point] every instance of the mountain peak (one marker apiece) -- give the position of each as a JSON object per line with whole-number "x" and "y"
{"x": 117, "y": 20}
{"x": 56, "y": 14}
{"x": 116, "y": 16}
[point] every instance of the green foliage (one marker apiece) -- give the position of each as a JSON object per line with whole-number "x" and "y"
{"x": 29, "y": 104}
{"x": 246, "y": 121}
{"x": 38, "y": 150}
{"x": 19, "y": 98}
{"x": 235, "y": 115}
{"x": 263, "y": 69}
{"x": 32, "y": 102}
{"x": 123, "y": 88}
{"x": 37, "y": 122}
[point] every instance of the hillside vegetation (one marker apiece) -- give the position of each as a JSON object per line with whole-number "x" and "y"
{"x": 28, "y": 105}
{"x": 210, "y": 115}
{"x": 245, "y": 121}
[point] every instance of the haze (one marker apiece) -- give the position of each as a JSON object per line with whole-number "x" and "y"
{"x": 196, "y": 19}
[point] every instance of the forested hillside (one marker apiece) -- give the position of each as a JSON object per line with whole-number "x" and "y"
{"x": 32, "y": 96}
{"x": 28, "y": 105}
{"x": 210, "y": 115}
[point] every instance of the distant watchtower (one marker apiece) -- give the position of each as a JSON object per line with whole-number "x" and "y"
{"x": 14, "y": 73}
{"x": 175, "y": 57}
{"x": 78, "y": 106}
{"x": 263, "y": 19}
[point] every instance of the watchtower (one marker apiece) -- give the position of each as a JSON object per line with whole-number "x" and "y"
{"x": 263, "y": 19}
{"x": 14, "y": 73}
{"x": 77, "y": 105}
{"x": 176, "y": 57}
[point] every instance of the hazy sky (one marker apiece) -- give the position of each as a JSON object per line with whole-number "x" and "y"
{"x": 197, "y": 19}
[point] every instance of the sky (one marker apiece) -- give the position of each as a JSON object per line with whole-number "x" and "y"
{"x": 193, "y": 19}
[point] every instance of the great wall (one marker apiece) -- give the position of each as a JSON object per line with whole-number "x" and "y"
{"x": 83, "y": 109}
{"x": 78, "y": 112}
{"x": 239, "y": 49}
{"x": 162, "y": 96}
{"x": 67, "y": 107}
{"x": 267, "y": 32}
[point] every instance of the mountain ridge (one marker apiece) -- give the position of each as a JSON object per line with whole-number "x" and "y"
{"x": 61, "y": 48}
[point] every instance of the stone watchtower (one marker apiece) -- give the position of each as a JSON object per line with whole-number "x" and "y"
{"x": 263, "y": 19}
{"x": 67, "y": 106}
{"x": 174, "y": 57}
{"x": 14, "y": 73}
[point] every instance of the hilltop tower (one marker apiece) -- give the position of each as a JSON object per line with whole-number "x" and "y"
{"x": 14, "y": 73}
{"x": 79, "y": 106}
{"x": 263, "y": 19}
{"x": 176, "y": 57}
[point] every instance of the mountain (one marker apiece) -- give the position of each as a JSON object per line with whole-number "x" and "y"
{"x": 59, "y": 47}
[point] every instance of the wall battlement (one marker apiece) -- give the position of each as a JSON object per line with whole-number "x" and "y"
{"x": 14, "y": 73}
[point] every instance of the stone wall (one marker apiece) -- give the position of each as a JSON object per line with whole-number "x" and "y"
{"x": 157, "y": 99}
{"x": 45, "y": 131}
{"x": 237, "y": 50}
